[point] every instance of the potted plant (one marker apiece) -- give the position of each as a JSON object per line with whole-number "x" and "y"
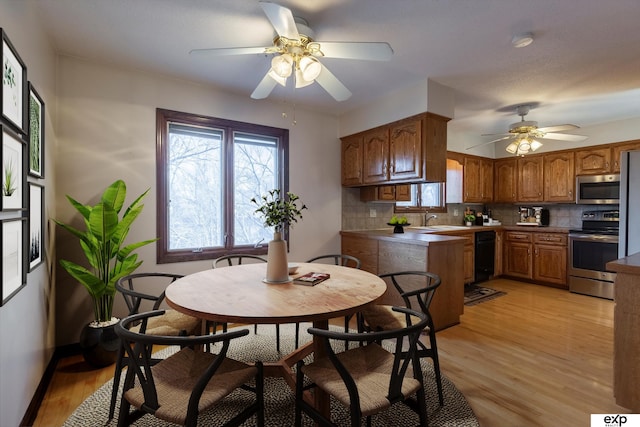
{"x": 278, "y": 212}
{"x": 469, "y": 219}
{"x": 102, "y": 243}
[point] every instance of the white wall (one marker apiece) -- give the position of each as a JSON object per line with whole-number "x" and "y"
{"x": 26, "y": 320}
{"x": 107, "y": 131}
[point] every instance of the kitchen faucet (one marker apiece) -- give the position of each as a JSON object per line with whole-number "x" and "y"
{"x": 427, "y": 217}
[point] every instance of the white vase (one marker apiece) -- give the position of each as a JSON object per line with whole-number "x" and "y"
{"x": 277, "y": 267}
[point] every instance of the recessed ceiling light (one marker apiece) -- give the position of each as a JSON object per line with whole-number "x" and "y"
{"x": 522, "y": 40}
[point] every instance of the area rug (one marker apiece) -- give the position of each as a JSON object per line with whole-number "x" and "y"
{"x": 279, "y": 398}
{"x": 475, "y": 294}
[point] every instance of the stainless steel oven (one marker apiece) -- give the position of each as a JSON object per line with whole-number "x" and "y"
{"x": 590, "y": 249}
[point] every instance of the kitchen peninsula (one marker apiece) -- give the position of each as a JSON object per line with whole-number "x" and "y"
{"x": 382, "y": 251}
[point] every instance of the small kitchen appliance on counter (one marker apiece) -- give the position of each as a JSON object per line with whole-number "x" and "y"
{"x": 536, "y": 216}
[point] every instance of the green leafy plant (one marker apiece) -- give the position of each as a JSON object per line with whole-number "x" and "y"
{"x": 8, "y": 186}
{"x": 279, "y": 212}
{"x": 469, "y": 218}
{"x": 102, "y": 242}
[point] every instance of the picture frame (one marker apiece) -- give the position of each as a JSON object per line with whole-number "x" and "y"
{"x": 36, "y": 133}
{"x": 35, "y": 252}
{"x": 14, "y": 277}
{"x": 12, "y": 160}
{"x": 14, "y": 86}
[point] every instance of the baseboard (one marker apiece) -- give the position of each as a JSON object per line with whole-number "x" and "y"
{"x": 32, "y": 411}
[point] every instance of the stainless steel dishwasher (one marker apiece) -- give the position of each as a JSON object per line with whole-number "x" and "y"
{"x": 485, "y": 251}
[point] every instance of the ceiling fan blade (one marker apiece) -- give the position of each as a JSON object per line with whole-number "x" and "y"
{"x": 264, "y": 88}
{"x": 282, "y": 20}
{"x": 558, "y": 128}
{"x": 369, "y": 51}
{"x": 490, "y": 142}
{"x": 227, "y": 51}
{"x": 332, "y": 85}
{"x": 565, "y": 137}
{"x": 498, "y": 134}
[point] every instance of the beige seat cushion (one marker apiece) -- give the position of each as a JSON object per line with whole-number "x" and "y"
{"x": 176, "y": 376}
{"x": 383, "y": 318}
{"x": 171, "y": 323}
{"x": 371, "y": 367}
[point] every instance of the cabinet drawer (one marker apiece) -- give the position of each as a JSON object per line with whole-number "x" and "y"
{"x": 517, "y": 236}
{"x": 469, "y": 239}
{"x": 550, "y": 238}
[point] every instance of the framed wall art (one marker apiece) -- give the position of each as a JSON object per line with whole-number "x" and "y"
{"x": 36, "y": 133}
{"x": 36, "y": 225}
{"x": 13, "y": 164}
{"x": 14, "y": 276}
{"x": 14, "y": 86}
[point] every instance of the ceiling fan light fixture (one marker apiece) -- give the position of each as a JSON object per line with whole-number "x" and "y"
{"x": 522, "y": 40}
{"x": 310, "y": 68}
{"x": 512, "y": 148}
{"x": 281, "y": 80}
{"x": 535, "y": 144}
{"x": 300, "y": 80}
{"x": 282, "y": 65}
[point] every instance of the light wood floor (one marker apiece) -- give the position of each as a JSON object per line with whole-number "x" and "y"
{"x": 537, "y": 356}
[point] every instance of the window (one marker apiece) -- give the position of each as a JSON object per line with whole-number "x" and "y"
{"x": 426, "y": 196}
{"x": 208, "y": 170}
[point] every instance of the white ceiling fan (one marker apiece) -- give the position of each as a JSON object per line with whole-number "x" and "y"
{"x": 295, "y": 52}
{"x": 525, "y": 134}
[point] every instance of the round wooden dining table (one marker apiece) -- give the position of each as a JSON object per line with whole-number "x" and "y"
{"x": 239, "y": 294}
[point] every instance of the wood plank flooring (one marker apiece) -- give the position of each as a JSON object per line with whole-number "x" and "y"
{"x": 537, "y": 356}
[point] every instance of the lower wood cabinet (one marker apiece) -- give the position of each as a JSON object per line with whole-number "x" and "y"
{"x": 538, "y": 256}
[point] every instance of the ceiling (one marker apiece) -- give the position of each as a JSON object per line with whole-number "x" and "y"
{"x": 582, "y": 68}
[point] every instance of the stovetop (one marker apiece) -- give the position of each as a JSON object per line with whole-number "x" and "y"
{"x": 604, "y": 222}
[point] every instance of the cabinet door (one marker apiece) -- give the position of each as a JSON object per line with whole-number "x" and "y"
{"x": 505, "y": 180}
{"x": 405, "y": 151}
{"x": 434, "y": 157}
{"x": 376, "y": 156}
{"x": 352, "y": 161}
{"x": 619, "y": 148}
{"x": 593, "y": 161}
{"x": 472, "y": 180}
{"x": 530, "y": 179}
{"x": 517, "y": 259}
{"x": 559, "y": 178}
{"x": 387, "y": 192}
{"x": 550, "y": 264}
{"x": 498, "y": 265}
{"x": 486, "y": 183}
{"x": 403, "y": 193}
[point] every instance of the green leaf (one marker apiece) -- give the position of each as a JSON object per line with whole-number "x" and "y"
{"x": 83, "y": 209}
{"x": 114, "y": 195}
{"x": 93, "y": 284}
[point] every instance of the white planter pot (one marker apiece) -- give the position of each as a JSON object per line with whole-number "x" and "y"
{"x": 277, "y": 266}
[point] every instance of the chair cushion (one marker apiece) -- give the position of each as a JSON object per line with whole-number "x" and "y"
{"x": 383, "y": 318}
{"x": 172, "y": 323}
{"x": 176, "y": 376}
{"x": 370, "y": 367}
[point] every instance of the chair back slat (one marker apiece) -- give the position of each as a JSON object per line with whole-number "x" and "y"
{"x": 339, "y": 259}
{"x": 235, "y": 259}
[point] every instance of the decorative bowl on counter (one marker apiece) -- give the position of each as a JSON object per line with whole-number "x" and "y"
{"x": 398, "y": 228}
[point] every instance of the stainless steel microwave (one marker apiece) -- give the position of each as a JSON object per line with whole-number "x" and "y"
{"x": 598, "y": 189}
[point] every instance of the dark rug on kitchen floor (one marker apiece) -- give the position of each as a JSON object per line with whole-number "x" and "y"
{"x": 475, "y": 294}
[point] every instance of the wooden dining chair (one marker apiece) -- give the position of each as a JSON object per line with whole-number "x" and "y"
{"x": 172, "y": 322}
{"x": 237, "y": 259}
{"x": 180, "y": 387}
{"x": 417, "y": 289}
{"x": 366, "y": 379}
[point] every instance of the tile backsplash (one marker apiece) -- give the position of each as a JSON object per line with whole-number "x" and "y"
{"x": 357, "y": 215}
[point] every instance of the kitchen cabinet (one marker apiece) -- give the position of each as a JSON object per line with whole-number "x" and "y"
{"x": 411, "y": 150}
{"x": 478, "y": 180}
{"x": 592, "y": 161}
{"x": 352, "y": 161}
{"x": 559, "y": 177}
{"x": 386, "y": 193}
{"x": 506, "y": 180}
{"x": 530, "y": 179}
{"x": 468, "y": 256}
{"x": 499, "y": 254}
{"x": 619, "y": 148}
{"x": 537, "y": 256}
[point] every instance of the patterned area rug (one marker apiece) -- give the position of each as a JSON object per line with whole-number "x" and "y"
{"x": 477, "y": 294}
{"x": 279, "y": 398}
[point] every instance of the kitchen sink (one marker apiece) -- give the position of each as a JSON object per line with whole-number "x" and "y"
{"x": 438, "y": 228}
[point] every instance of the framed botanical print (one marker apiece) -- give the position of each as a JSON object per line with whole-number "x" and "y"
{"x": 14, "y": 85}
{"x": 12, "y": 266}
{"x": 36, "y": 225}
{"x": 13, "y": 176}
{"x": 36, "y": 133}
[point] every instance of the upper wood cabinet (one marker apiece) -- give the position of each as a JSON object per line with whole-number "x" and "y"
{"x": 478, "y": 180}
{"x": 559, "y": 177}
{"x": 619, "y": 148}
{"x": 407, "y": 151}
{"x": 386, "y": 193}
{"x": 505, "y": 180}
{"x": 530, "y": 179}
{"x": 591, "y": 161}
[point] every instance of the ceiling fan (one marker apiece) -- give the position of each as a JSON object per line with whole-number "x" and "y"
{"x": 296, "y": 52}
{"x": 525, "y": 134}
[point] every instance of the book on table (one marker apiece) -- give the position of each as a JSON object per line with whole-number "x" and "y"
{"x": 311, "y": 279}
